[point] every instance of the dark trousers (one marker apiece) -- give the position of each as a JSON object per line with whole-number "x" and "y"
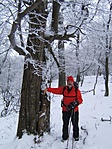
{"x": 66, "y": 115}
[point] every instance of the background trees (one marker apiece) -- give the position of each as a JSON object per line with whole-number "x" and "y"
{"x": 54, "y": 39}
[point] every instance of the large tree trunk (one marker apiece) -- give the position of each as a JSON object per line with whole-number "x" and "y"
{"x": 35, "y": 109}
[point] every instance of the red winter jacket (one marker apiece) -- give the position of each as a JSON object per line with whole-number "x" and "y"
{"x": 68, "y": 97}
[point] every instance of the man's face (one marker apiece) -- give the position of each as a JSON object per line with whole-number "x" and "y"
{"x": 70, "y": 83}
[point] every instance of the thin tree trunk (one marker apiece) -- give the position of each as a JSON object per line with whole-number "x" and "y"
{"x": 61, "y": 53}
{"x": 55, "y": 15}
{"x": 107, "y": 54}
{"x": 62, "y": 64}
{"x": 96, "y": 80}
{"x": 77, "y": 56}
{"x": 106, "y": 77}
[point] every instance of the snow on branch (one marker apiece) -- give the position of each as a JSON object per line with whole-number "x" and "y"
{"x": 21, "y": 50}
{"x": 103, "y": 119}
{"x": 60, "y": 37}
{"x": 37, "y": 65}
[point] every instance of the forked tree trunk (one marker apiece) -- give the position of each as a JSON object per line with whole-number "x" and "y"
{"x": 35, "y": 109}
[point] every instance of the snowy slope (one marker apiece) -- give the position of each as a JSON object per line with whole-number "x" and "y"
{"x": 94, "y": 108}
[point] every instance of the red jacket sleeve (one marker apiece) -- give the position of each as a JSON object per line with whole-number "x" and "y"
{"x": 79, "y": 96}
{"x": 58, "y": 90}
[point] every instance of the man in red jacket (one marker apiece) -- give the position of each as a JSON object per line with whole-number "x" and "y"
{"x": 71, "y": 99}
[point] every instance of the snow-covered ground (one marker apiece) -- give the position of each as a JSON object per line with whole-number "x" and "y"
{"x": 94, "y": 108}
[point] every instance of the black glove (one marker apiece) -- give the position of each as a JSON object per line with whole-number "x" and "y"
{"x": 72, "y": 105}
{"x": 75, "y": 103}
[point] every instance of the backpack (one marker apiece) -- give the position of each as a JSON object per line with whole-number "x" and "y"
{"x": 76, "y": 85}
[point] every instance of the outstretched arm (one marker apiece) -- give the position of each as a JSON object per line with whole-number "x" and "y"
{"x": 58, "y": 90}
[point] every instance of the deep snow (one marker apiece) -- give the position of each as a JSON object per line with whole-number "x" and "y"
{"x": 94, "y": 108}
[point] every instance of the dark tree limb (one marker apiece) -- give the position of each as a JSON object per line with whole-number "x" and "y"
{"x": 51, "y": 51}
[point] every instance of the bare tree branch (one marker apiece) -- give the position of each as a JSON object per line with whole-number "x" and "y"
{"x": 51, "y": 38}
{"x": 95, "y": 11}
{"x": 51, "y": 51}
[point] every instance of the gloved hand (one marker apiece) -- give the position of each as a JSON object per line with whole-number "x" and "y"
{"x": 75, "y": 103}
{"x": 72, "y": 105}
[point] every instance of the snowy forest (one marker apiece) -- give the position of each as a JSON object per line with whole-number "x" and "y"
{"x": 46, "y": 40}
